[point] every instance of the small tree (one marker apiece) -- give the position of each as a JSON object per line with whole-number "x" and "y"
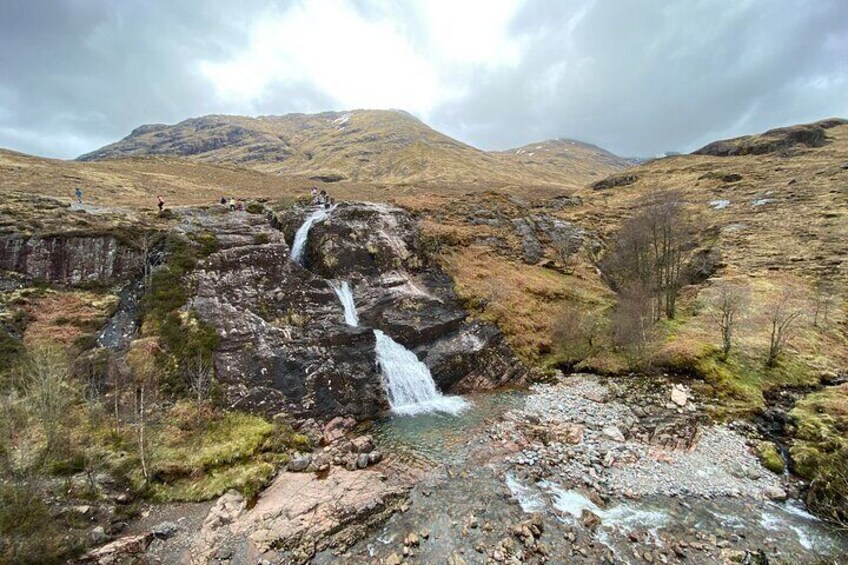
{"x": 141, "y": 359}
{"x": 47, "y": 389}
{"x": 729, "y": 302}
{"x": 199, "y": 372}
{"x": 783, "y": 317}
{"x": 825, "y": 297}
{"x": 632, "y": 321}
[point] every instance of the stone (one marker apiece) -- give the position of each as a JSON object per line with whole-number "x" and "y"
{"x": 97, "y": 535}
{"x": 112, "y": 552}
{"x": 362, "y": 444}
{"x": 375, "y": 457}
{"x": 589, "y": 519}
{"x": 299, "y": 462}
{"x": 164, "y": 530}
{"x": 613, "y": 433}
{"x": 393, "y": 559}
{"x": 775, "y": 493}
{"x": 679, "y": 395}
{"x": 337, "y": 428}
{"x": 362, "y": 461}
{"x": 411, "y": 540}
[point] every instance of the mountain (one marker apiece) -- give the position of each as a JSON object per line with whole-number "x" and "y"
{"x": 384, "y": 146}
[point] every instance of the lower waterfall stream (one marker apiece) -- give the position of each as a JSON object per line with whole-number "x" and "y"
{"x": 409, "y": 386}
{"x": 407, "y": 381}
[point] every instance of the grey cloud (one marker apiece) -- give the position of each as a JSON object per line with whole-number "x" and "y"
{"x": 645, "y": 77}
{"x": 635, "y": 77}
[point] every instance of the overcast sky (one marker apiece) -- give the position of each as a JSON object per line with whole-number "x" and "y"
{"x": 638, "y": 77}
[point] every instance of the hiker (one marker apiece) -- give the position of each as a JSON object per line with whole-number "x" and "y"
{"x": 240, "y": 205}
{"x": 314, "y": 193}
{"x": 232, "y": 204}
{"x": 223, "y": 201}
{"x": 322, "y": 197}
{"x": 161, "y": 203}
{"x": 79, "y": 196}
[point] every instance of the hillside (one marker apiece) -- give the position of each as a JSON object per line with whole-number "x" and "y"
{"x": 379, "y": 146}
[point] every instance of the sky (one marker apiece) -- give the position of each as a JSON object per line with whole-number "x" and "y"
{"x": 637, "y": 77}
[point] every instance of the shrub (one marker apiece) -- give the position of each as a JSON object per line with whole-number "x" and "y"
{"x": 828, "y": 493}
{"x": 27, "y": 531}
{"x": 255, "y": 208}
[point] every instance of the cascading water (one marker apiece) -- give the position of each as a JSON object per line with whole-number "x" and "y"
{"x": 408, "y": 382}
{"x": 302, "y": 234}
{"x": 342, "y": 290}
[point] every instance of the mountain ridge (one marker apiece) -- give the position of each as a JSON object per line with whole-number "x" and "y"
{"x": 387, "y": 146}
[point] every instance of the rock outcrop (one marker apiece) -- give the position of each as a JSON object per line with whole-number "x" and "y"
{"x": 377, "y": 249}
{"x": 69, "y": 259}
{"x": 284, "y": 344}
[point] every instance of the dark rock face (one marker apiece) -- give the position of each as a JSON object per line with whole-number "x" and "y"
{"x": 69, "y": 259}
{"x": 565, "y": 237}
{"x": 376, "y": 248}
{"x": 284, "y": 344}
{"x": 772, "y": 141}
{"x": 614, "y": 181}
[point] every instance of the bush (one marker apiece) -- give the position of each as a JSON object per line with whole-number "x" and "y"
{"x": 828, "y": 494}
{"x": 27, "y": 531}
{"x": 255, "y": 208}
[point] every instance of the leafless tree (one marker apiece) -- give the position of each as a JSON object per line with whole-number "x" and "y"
{"x": 784, "y": 316}
{"x": 652, "y": 249}
{"x": 825, "y": 297}
{"x": 632, "y": 320}
{"x": 199, "y": 372}
{"x": 142, "y": 362}
{"x": 730, "y": 302}
{"x": 47, "y": 388}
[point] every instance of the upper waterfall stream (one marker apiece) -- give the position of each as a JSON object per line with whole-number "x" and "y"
{"x": 302, "y": 234}
{"x": 408, "y": 383}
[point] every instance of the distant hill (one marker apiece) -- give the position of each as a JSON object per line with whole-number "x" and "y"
{"x": 383, "y": 146}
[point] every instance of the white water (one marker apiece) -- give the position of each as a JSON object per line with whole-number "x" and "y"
{"x": 408, "y": 382}
{"x": 342, "y": 290}
{"x": 303, "y": 233}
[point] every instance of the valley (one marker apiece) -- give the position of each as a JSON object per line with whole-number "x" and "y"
{"x": 458, "y": 360}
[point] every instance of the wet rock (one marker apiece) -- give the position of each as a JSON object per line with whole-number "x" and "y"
{"x": 775, "y": 493}
{"x": 375, "y": 457}
{"x": 589, "y": 519}
{"x": 363, "y": 444}
{"x": 97, "y": 535}
{"x": 393, "y": 559}
{"x": 362, "y": 461}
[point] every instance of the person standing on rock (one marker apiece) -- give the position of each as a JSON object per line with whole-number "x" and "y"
{"x": 314, "y": 193}
{"x": 223, "y": 201}
{"x": 232, "y": 204}
{"x": 79, "y": 196}
{"x": 161, "y": 203}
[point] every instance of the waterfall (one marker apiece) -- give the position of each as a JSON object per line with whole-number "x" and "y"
{"x": 407, "y": 381}
{"x": 303, "y": 232}
{"x": 342, "y": 290}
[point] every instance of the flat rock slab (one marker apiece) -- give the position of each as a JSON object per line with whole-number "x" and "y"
{"x": 301, "y": 514}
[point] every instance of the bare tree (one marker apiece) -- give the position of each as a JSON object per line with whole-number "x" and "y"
{"x": 48, "y": 392}
{"x": 825, "y": 297}
{"x": 729, "y": 302}
{"x": 141, "y": 359}
{"x": 199, "y": 372}
{"x": 651, "y": 251}
{"x": 632, "y": 320}
{"x": 783, "y": 317}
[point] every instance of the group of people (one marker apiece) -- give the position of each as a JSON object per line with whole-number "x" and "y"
{"x": 321, "y": 198}
{"x": 235, "y": 205}
{"x": 160, "y": 200}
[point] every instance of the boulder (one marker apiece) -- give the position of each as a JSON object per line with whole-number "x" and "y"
{"x": 613, "y": 433}
{"x": 679, "y": 395}
{"x": 120, "y": 548}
